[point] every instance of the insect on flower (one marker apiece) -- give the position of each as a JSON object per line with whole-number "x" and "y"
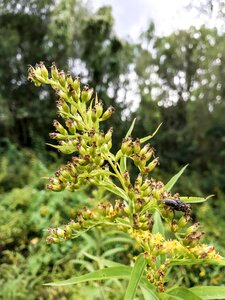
{"x": 177, "y": 204}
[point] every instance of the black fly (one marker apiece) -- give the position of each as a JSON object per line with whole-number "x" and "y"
{"x": 177, "y": 205}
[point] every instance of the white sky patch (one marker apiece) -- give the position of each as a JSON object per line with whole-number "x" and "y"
{"x": 133, "y": 17}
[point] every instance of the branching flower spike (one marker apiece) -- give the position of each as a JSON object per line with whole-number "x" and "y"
{"x": 141, "y": 205}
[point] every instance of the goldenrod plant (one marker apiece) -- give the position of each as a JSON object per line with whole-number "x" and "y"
{"x": 158, "y": 220}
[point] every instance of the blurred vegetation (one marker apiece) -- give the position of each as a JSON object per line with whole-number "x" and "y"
{"x": 179, "y": 80}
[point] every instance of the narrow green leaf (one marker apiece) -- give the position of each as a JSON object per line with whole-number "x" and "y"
{"x": 148, "y": 285}
{"x": 123, "y": 163}
{"x": 193, "y": 261}
{"x": 122, "y": 222}
{"x": 130, "y": 129}
{"x": 103, "y": 274}
{"x": 113, "y": 240}
{"x": 209, "y": 292}
{"x": 113, "y": 251}
{"x": 148, "y": 294}
{"x": 136, "y": 274}
{"x": 158, "y": 227}
{"x": 102, "y": 261}
{"x": 158, "y": 224}
{"x": 184, "y": 294}
{"x": 116, "y": 190}
{"x": 166, "y": 296}
{"x": 195, "y": 199}
{"x": 174, "y": 179}
{"x": 145, "y": 139}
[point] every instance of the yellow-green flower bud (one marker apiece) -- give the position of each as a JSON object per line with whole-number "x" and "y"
{"x": 126, "y": 177}
{"x": 109, "y": 145}
{"x": 62, "y": 105}
{"x": 138, "y": 181}
{"x": 118, "y": 155}
{"x": 57, "y": 136}
{"x": 107, "y": 114}
{"x": 108, "y": 135}
{"x": 71, "y": 125}
{"x": 44, "y": 71}
{"x": 76, "y": 85}
{"x": 52, "y": 240}
{"x": 69, "y": 79}
{"x": 62, "y": 78}
{"x": 149, "y": 154}
{"x": 55, "y": 185}
{"x": 59, "y": 232}
{"x": 145, "y": 149}
{"x": 59, "y": 127}
{"x": 183, "y": 221}
{"x": 99, "y": 109}
{"x": 73, "y": 225}
{"x": 54, "y": 72}
{"x": 67, "y": 231}
{"x": 67, "y": 147}
{"x": 61, "y": 94}
{"x": 145, "y": 185}
{"x": 93, "y": 115}
{"x": 174, "y": 226}
{"x": 192, "y": 228}
{"x": 151, "y": 165}
{"x": 137, "y": 146}
{"x": 127, "y": 146}
{"x": 86, "y": 94}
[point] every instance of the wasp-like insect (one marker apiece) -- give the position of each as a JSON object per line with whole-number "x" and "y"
{"x": 177, "y": 205}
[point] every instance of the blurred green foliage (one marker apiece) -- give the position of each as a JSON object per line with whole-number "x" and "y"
{"x": 180, "y": 82}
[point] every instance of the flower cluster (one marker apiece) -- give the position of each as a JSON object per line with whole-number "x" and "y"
{"x": 93, "y": 163}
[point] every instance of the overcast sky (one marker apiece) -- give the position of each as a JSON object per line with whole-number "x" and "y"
{"x": 133, "y": 16}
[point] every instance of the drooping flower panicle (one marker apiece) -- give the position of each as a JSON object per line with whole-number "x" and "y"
{"x": 93, "y": 163}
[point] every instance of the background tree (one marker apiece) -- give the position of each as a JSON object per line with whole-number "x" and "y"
{"x": 66, "y": 32}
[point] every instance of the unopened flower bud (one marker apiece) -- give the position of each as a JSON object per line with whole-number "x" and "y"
{"x": 62, "y": 78}
{"x": 149, "y": 154}
{"x": 52, "y": 240}
{"x": 118, "y": 155}
{"x": 76, "y": 84}
{"x": 126, "y": 177}
{"x": 55, "y": 187}
{"x": 193, "y": 228}
{"x": 93, "y": 115}
{"x": 54, "y": 72}
{"x": 99, "y": 109}
{"x": 137, "y": 146}
{"x": 138, "y": 181}
{"x": 59, "y": 127}
{"x": 59, "y": 232}
{"x": 86, "y": 94}
{"x": 57, "y": 136}
{"x": 151, "y": 166}
{"x": 44, "y": 71}
{"x": 67, "y": 231}
{"x": 69, "y": 79}
{"x": 145, "y": 149}
{"x": 73, "y": 225}
{"x": 71, "y": 125}
{"x": 174, "y": 226}
{"x": 183, "y": 221}
{"x": 108, "y": 135}
{"x": 107, "y": 114}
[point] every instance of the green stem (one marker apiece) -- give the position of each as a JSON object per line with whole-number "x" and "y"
{"x": 118, "y": 175}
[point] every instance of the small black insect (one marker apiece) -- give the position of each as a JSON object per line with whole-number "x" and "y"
{"x": 177, "y": 205}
